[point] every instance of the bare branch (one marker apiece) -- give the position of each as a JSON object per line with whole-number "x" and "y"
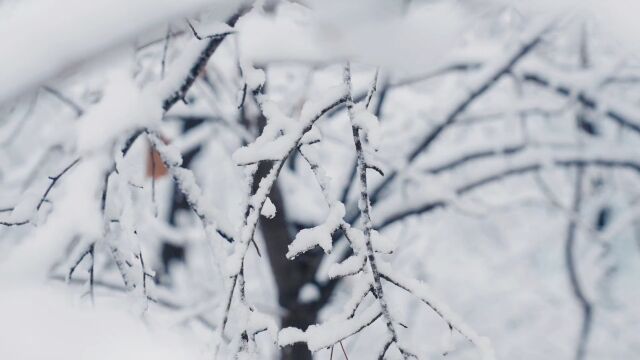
{"x": 494, "y": 74}
{"x": 197, "y": 67}
{"x": 54, "y": 179}
{"x": 185, "y": 180}
{"x": 365, "y": 209}
{"x": 428, "y": 205}
{"x": 65, "y": 100}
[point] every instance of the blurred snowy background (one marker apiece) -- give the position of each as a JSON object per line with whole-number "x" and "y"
{"x": 178, "y": 179}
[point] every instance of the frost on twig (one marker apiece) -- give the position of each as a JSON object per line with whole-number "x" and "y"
{"x": 280, "y": 137}
{"x": 364, "y": 264}
{"x": 269, "y": 209}
{"x": 184, "y": 178}
{"x": 323, "y": 336}
{"x": 422, "y": 292}
{"x": 32, "y": 201}
{"x": 365, "y": 210}
{"x": 319, "y": 235}
{"x": 215, "y": 30}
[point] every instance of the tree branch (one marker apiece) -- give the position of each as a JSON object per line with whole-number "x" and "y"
{"x": 365, "y": 209}
{"x": 494, "y": 73}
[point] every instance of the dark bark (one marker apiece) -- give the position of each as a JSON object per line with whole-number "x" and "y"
{"x": 570, "y": 260}
{"x": 460, "y": 108}
{"x": 197, "y": 67}
{"x": 290, "y": 275}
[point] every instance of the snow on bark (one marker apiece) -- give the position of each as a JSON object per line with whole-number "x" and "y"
{"x": 350, "y": 266}
{"x": 368, "y": 124}
{"x": 268, "y": 210}
{"x": 211, "y": 217}
{"x": 294, "y": 133}
{"x": 421, "y": 291}
{"x": 323, "y": 336}
{"x": 76, "y": 213}
{"x": 319, "y": 235}
{"x": 253, "y": 78}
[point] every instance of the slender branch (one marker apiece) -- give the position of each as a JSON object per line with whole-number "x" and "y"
{"x": 478, "y": 155}
{"x": 186, "y": 183}
{"x": 198, "y": 66}
{"x": 570, "y": 243}
{"x": 494, "y": 75}
{"x": 54, "y": 180}
{"x": 165, "y": 50}
{"x": 372, "y": 89}
{"x": 213, "y": 36}
{"x": 570, "y": 261}
{"x": 397, "y": 83}
{"x": 365, "y": 209}
{"x": 385, "y": 348}
{"x": 84, "y": 254}
{"x": 344, "y": 352}
{"x": 65, "y": 100}
{"x": 130, "y": 140}
{"x": 154, "y": 203}
{"x": 9, "y": 224}
{"x": 354, "y": 168}
{"x": 257, "y": 200}
{"x": 586, "y": 99}
{"x": 435, "y": 203}
{"x": 420, "y": 291}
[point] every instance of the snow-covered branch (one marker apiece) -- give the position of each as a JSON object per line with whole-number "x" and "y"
{"x": 283, "y": 137}
{"x": 397, "y": 207}
{"x": 210, "y": 216}
{"x": 491, "y": 73}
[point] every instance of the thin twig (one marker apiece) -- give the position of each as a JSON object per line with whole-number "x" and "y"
{"x": 365, "y": 209}
{"x": 165, "y": 49}
{"x": 54, "y": 180}
{"x": 65, "y": 99}
{"x": 221, "y": 35}
{"x": 343, "y": 350}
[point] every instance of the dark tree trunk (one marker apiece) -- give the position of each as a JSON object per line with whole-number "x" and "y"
{"x": 290, "y": 275}
{"x": 299, "y": 316}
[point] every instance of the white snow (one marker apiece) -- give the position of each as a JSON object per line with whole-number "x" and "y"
{"x": 76, "y": 213}
{"x": 319, "y": 337}
{"x": 368, "y": 123}
{"x": 351, "y": 265}
{"x": 466, "y": 218}
{"x": 423, "y": 293}
{"x": 53, "y": 325}
{"x": 309, "y": 293}
{"x": 319, "y": 235}
{"x": 25, "y": 209}
{"x": 268, "y": 209}
{"x": 254, "y": 78}
{"x": 274, "y": 150}
{"x": 122, "y": 109}
{"x": 52, "y": 36}
{"x": 382, "y": 244}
